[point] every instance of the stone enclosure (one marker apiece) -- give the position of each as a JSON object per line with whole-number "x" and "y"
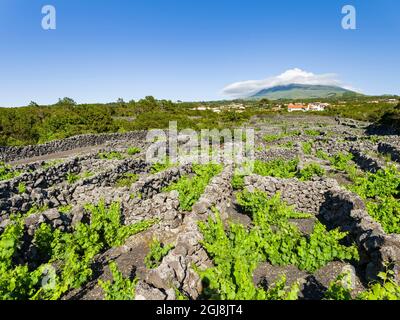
{"x": 48, "y": 186}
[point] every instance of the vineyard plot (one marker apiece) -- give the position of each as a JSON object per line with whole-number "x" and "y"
{"x": 318, "y": 218}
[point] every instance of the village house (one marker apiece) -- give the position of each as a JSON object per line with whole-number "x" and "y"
{"x": 315, "y": 106}
{"x": 297, "y": 107}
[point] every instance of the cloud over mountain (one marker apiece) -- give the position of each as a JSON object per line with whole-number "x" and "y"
{"x": 296, "y": 75}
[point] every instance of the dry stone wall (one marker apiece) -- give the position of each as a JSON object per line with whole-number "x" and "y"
{"x": 340, "y": 208}
{"x": 8, "y": 154}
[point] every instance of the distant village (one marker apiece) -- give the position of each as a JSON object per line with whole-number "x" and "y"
{"x": 240, "y": 107}
{"x": 315, "y": 106}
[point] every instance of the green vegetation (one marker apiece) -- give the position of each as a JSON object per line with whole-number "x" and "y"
{"x": 21, "y": 188}
{"x": 52, "y": 163}
{"x": 72, "y": 178}
{"x": 386, "y": 289}
{"x": 237, "y": 181}
{"x": 309, "y": 171}
{"x": 112, "y": 155}
{"x": 119, "y": 288}
{"x": 160, "y": 166}
{"x": 235, "y": 256}
{"x": 73, "y": 253}
{"x": 87, "y": 174}
{"x": 36, "y": 209}
{"x": 6, "y": 172}
{"x": 39, "y": 124}
{"x": 157, "y": 252}
{"x": 127, "y": 180}
{"x": 361, "y": 109}
{"x": 340, "y": 288}
{"x": 341, "y": 161}
{"x": 307, "y": 147}
{"x": 133, "y": 150}
{"x": 390, "y": 119}
{"x": 278, "y": 168}
{"x": 237, "y": 251}
{"x": 288, "y": 145}
{"x": 272, "y": 137}
{"x": 381, "y": 190}
{"x": 381, "y": 184}
{"x": 191, "y": 188}
{"x": 285, "y": 133}
{"x": 313, "y": 133}
{"x": 65, "y": 209}
{"x": 322, "y": 155}
{"x": 180, "y": 296}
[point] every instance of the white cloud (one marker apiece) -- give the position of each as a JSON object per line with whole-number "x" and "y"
{"x": 298, "y": 76}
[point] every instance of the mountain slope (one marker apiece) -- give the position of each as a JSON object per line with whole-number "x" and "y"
{"x": 302, "y": 91}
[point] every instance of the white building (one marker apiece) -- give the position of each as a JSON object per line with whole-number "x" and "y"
{"x": 317, "y": 106}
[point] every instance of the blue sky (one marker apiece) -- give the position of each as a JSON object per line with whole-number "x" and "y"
{"x": 189, "y": 49}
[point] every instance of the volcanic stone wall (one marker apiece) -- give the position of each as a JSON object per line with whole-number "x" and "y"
{"x": 366, "y": 162}
{"x": 176, "y": 268}
{"x": 340, "y": 208}
{"x": 390, "y": 148}
{"x": 11, "y": 200}
{"x": 8, "y": 154}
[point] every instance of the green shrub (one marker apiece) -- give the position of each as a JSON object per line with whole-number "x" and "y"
{"x": 237, "y": 182}
{"x": 120, "y": 288}
{"x": 313, "y": 133}
{"x": 276, "y": 168}
{"x": 6, "y": 172}
{"x": 264, "y": 209}
{"x": 340, "y": 288}
{"x": 133, "y": 150}
{"x": 381, "y": 184}
{"x": 160, "y": 166}
{"x": 51, "y": 163}
{"x": 157, "y": 252}
{"x": 87, "y": 174}
{"x": 190, "y": 189}
{"x": 271, "y": 137}
{"x": 387, "y": 289}
{"x": 21, "y": 188}
{"x": 237, "y": 251}
{"x": 235, "y": 256}
{"x": 322, "y": 155}
{"x": 341, "y": 161}
{"x": 113, "y": 155}
{"x": 72, "y": 178}
{"x": 387, "y": 212}
{"x": 307, "y": 147}
{"x": 127, "y": 180}
{"x": 65, "y": 209}
{"x": 73, "y": 253}
{"x": 288, "y": 145}
{"x": 311, "y": 170}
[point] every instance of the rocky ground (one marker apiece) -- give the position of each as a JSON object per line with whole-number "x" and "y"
{"x": 73, "y": 174}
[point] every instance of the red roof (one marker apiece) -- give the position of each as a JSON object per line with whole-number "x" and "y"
{"x": 296, "y": 106}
